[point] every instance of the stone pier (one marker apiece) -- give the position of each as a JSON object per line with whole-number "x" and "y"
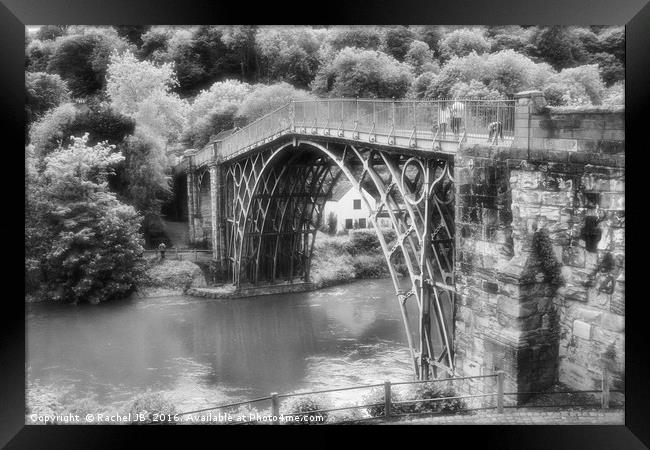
{"x": 540, "y": 251}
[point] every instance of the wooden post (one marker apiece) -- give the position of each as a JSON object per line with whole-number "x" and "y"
{"x": 176, "y": 248}
{"x": 196, "y": 258}
{"x": 605, "y": 389}
{"x": 500, "y": 380}
{"x": 275, "y": 407}
{"x": 387, "y": 400}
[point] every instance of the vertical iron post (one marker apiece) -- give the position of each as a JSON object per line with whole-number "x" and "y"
{"x": 605, "y": 389}
{"x": 387, "y": 399}
{"x": 500, "y": 380}
{"x": 275, "y": 407}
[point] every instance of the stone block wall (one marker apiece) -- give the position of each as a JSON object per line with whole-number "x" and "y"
{"x": 540, "y": 252}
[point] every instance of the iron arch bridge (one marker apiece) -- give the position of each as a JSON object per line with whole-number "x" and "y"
{"x": 269, "y": 182}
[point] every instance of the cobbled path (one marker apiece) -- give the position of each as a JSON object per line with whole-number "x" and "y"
{"x": 523, "y": 416}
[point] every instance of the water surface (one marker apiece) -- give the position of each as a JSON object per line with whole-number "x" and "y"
{"x": 201, "y": 352}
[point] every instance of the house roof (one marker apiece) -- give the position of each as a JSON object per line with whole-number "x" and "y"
{"x": 340, "y": 189}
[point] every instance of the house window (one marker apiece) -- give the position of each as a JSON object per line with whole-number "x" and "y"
{"x": 357, "y": 204}
{"x": 362, "y": 223}
{"x": 348, "y": 224}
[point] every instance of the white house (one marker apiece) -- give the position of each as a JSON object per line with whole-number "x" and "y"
{"x": 349, "y": 208}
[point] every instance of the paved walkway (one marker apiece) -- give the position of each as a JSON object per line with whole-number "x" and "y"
{"x": 523, "y": 416}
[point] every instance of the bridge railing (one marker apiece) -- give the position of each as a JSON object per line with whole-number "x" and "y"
{"x": 392, "y": 404}
{"x": 403, "y": 121}
{"x": 417, "y": 118}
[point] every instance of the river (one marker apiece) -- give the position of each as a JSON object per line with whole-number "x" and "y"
{"x": 201, "y": 352}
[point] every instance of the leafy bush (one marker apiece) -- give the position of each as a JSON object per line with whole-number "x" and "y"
{"x": 422, "y": 392}
{"x": 363, "y": 241}
{"x": 150, "y": 404}
{"x": 429, "y": 392}
{"x": 370, "y": 266}
{"x": 377, "y": 399}
{"x": 303, "y": 407}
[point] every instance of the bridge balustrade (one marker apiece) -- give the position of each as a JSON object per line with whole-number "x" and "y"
{"x": 408, "y": 120}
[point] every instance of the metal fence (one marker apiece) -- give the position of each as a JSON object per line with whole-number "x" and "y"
{"x": 389, "y": 406}
{"x": 394, "y": 122}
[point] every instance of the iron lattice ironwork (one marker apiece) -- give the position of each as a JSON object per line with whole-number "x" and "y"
{"x": 274, "y": 204}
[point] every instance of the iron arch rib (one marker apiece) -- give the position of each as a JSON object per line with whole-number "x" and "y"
{"x": 277, "y": 198}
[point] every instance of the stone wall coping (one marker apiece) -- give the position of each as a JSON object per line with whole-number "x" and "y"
{"x": 589, "y": 109}
{"x": 532, "y": 93}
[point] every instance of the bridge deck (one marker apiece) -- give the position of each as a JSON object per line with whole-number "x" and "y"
{"x": 414, "y": 125}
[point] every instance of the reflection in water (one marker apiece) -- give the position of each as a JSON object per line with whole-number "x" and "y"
{"x": 201, "y": 352}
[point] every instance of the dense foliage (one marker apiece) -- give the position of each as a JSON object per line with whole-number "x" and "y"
{"x": 82, "y": 244}
{"x": 148, "y": 91}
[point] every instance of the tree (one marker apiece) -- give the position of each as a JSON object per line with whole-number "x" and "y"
{"x": 37, "y": 55}
{"x": 576, "y": 86}
{"x": 506, "y": 72}
{"x": 430, "y": 35}
{"x": 49, "y": 32}
{"x": 50, "y": 131}
{"x": 396, "y": 41}
{"x": 421, "y": 85}
{"x": 510, "y": 72}
{"x": 462, "y": 42}
{"x": 612, "y": 40}
{"x": 214, "y": 110}
{"x": 366, "y": 37}
{"x": 288, "y": 54}
{"x": 509, "y": 37}
{"x": 80, "y": 241}
{"x": 263, "y": 99}
{"x": 332, "y": 223}
{"x": 557, "y": 45}
{"x": 421, "y": 58}
{"x": 102, "y": 123}
{"x": 240, "y": 39}
{"x": 82, "y": 60}
{"x": 43, "y": 92}
{"x": 200, "y": 58}
{"x": 363, "y": 73}
{"x": 155, "y": 43}
{"x": 132, "y": 33}
{"x": 611, "y": 68}
{"x": 145, "y": 182}
{"x": 475, "y": 89}
{"x": 142, "y": 90}
{"x": 615, "y": 94}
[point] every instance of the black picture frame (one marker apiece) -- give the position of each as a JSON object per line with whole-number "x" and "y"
{"x": 14, "y": 14}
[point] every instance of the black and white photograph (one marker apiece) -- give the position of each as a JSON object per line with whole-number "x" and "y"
{"x": 325, "y": 224}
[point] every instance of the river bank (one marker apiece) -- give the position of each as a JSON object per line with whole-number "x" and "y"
{"x": 336, "y": 260}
